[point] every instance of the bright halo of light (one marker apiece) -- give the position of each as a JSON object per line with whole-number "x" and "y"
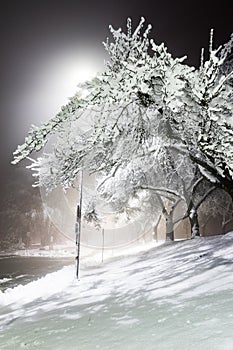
{"x": 59, "y": 77}
{"x": 72, "y": 73}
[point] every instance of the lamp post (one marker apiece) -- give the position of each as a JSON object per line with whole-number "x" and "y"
{"x": 78, "y": 223}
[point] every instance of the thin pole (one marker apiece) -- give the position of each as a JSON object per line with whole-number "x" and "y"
{"x": 102, "y": 244}
{"x": 78, "y": 223}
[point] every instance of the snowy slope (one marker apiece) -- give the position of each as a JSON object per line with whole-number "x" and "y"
{"x": 177, "y": 296}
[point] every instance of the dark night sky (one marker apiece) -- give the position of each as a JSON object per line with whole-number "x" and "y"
{"x": 41, "y": 40}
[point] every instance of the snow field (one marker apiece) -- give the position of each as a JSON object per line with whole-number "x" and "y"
{"x": 177, "y": 296}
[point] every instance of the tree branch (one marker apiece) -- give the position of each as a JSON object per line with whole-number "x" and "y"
{"x": 162, "y": 189}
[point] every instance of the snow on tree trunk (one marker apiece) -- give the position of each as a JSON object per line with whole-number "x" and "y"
{"x": 169, "y": 227}
{"x": 193, "y": 218}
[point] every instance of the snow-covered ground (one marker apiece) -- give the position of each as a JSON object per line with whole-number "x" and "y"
{"x": 89, "y": 255}
{"x": 177, "y": 296}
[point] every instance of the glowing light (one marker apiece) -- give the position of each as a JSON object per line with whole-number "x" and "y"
{"x": 54, "y": 80}
{"x": 65, "y": 73}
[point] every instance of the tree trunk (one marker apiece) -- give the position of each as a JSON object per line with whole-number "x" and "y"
{"x": 169, "y": 227}
{"x": 193, "y": 218}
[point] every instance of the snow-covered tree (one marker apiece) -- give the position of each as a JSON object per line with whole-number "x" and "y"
{"x": 144, "y": 103}
{"x": 163, "y": 186}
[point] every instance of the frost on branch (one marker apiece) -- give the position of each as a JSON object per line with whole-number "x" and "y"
{"x": 143, "y": 103}
{"x": 209, "y": 103}
{"x": 132, "y": 75}
{"x": 37, "y": 136}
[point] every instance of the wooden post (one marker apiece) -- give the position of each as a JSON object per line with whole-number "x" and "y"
{"x": 78, "y": 223}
